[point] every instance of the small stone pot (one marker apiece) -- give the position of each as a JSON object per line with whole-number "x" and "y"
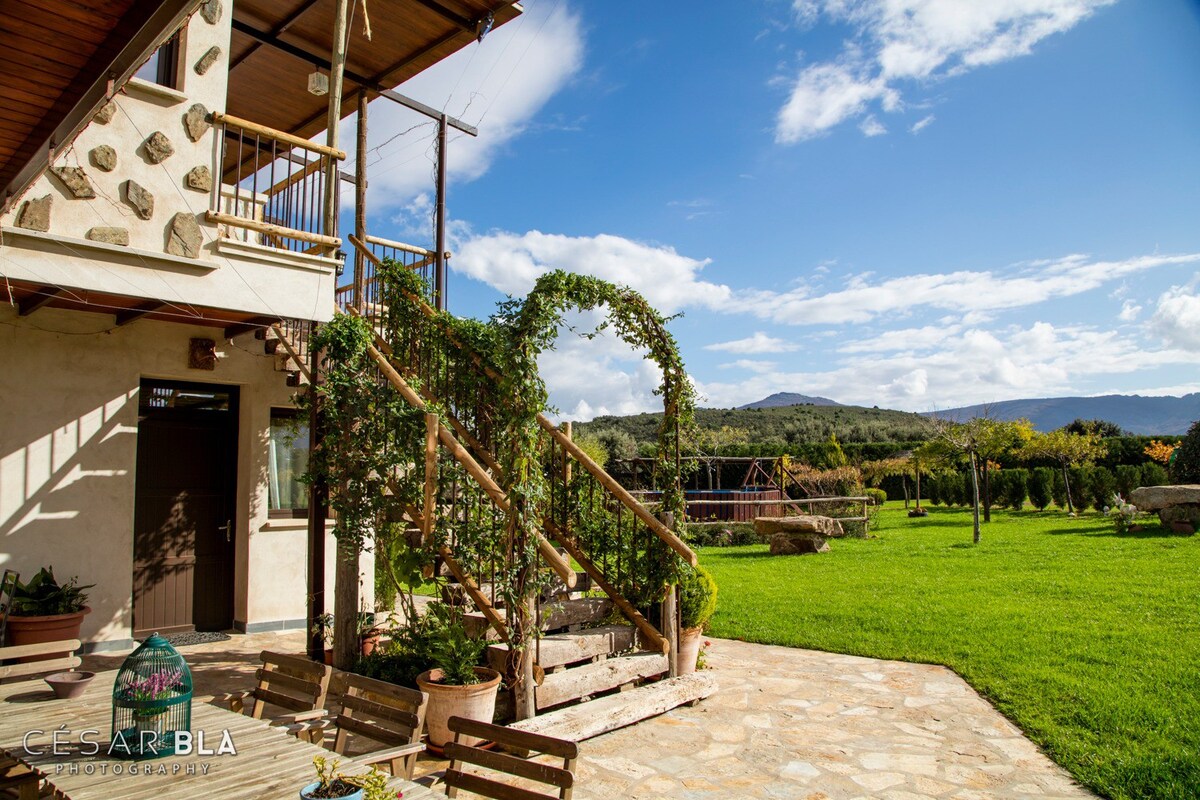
{"x": 307, "y": 793}
{"x": 69, "y": 685}
{"x": 477, "y": 702}
{"x": 689, "y": 649}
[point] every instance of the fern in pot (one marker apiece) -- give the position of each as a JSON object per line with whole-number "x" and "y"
{"x": 457, "y": 686}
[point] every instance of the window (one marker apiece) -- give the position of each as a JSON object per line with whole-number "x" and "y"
{"x": 287, "y": 459}
{"x": 163, "y": 66}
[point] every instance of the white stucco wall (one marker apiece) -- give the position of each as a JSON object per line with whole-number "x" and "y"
{"x": 68, "y": 444}
{"x": 226, "y": 274}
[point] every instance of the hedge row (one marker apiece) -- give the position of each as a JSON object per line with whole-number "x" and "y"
{"x": 1010, "y": 488}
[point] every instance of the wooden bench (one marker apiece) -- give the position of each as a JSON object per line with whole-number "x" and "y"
{"x": 293, "y": 683}
{"x": 560, "y": 779}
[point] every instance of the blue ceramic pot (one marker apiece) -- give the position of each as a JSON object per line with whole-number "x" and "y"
{"x": 312, "y": 787}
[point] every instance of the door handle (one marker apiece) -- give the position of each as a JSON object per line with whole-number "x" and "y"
{"x": 228, "y": 528}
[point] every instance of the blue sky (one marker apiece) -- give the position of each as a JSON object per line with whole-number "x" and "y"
{"x": 908, "y": 204}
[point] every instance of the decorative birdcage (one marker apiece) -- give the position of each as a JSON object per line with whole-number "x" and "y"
{"x": 152, "y": 700}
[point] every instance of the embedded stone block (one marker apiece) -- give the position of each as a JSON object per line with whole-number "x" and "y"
{"x": 195, "y": 122}
{"x": 139, "y": 198}
{"x": 76, "y": 181}
{"x": 199, "y": 178}
{"x": 106, "y": 112}
{"x": 35, "y": 214}
{"x": 184, "y": 236}
{"x": 207, "y": 60}
{"x": 103, "y": 157}
{"x": 211, "y": 11}
{"x": 158, "y": 147}
{"x": 109, "y": 235}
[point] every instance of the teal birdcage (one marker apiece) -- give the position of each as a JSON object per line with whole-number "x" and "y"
{"x": 152, "y": 700}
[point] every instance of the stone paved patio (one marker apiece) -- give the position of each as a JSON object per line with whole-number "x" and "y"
{"x": 785, "y": 723}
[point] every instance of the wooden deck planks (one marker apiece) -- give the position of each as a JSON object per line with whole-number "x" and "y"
{"x": 269, "y": 764}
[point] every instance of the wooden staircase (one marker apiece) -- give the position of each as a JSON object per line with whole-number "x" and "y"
{"x": 595, "y": 638}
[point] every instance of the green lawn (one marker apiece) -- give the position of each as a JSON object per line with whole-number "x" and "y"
{"x": 1089, "y": 641}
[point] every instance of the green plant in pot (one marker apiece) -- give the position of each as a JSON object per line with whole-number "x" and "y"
{"x": 334, "y": 785}
{"x": 43, "y": 610}
{"x": 368, "y": 633}
{"x": 457, "y": 685}
{"x": 697, "y": 604}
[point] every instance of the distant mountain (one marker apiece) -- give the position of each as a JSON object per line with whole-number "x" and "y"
{"x": 1144, "y": 416}
{"x": 783, "y": 399}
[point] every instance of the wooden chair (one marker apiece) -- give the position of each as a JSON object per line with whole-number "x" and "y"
{"x": 290, "y": 682}
{"x": 16, "y": 779}
{"x": 381, "y": 712}
{"x": 561, "y": 778}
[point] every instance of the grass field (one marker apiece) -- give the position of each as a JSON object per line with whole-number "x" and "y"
{"x": 1089, "y": 641}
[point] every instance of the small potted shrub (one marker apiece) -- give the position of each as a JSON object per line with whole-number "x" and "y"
{"x": 368, "y": 634}
{"x": 45, "y": 611}
{"x": 697, "y": 604}
{"x": 457, "y": 686}
{"x": 333, "y": 785}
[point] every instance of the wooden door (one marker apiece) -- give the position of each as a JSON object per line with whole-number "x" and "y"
{"x": 184, "y": 519}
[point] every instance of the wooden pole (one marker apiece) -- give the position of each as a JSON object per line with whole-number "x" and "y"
{"x": 525, "y": 692}
{"x": 440, "y": 271}
{"x": 360, "y": 197}
{"x": 431, "y": 476}
{"x": 333, "y": 118}
{"x": 670, "y": 613}
{"x": 317, "y": 499}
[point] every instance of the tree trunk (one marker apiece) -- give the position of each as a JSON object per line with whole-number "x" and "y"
{"x": 918, "y": 490}
{"x": 975, "y": 494}
{"x": 1067, "y": 485}
{"x": 987, "y": 492}
{"x": 346, "y": 648}
{"x": 904, "y": 483}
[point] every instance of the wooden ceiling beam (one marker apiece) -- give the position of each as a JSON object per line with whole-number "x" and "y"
{"x": 288, "y": 21}
{"x": 250, "y": 325}
{"x": 130, "y": 315}
{"x": 40, "y": 297}
{"x": 447, "y": 14}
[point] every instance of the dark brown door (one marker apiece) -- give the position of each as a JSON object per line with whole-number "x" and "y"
{"x": 184, "y": 508}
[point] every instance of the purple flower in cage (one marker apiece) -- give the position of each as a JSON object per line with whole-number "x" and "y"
{"x": 155, "y": 685}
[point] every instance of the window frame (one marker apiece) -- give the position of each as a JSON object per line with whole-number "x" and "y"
{"x": 289, "y": 415}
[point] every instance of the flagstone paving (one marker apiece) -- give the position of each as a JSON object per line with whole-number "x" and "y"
{"x": 785, "y": 724}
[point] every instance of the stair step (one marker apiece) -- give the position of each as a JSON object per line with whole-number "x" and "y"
{"x": 586, "y": 720}
{"x": 558, "y": 649}
{"x": 555, "y": 615}
{"x": 583, "y": 583}
{"x": 590, "y": 679}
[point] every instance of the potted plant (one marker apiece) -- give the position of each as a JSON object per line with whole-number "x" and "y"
{"x": 44, "y": 611}
{"x": 368, "y": 633}
{"x": 697, "y": 603}
{"x": 457, "y": 686}
{"x": 333, "y": 785}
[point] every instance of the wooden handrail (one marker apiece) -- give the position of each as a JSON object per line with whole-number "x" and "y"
{"x": 296, "y": 141}
{"x": 408, "y": 248}
{"x": 660, "y": 530}
{"x": 219, "y": 218}
{"x": 283, "y": 340}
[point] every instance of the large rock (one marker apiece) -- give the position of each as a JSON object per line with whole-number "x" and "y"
{"x": 103, "y": 157}
{"x": 76, "y": 181}
{"x": 207, "y": 60}
{"x": 106, "y": 112}
{"x": 195, "y": 122}
{"x": 1156, "y": 498}
{"x": 788, "y": 544}
{"x": 35, "y": 214}
{"x": 828, "y": 527}
{"x": 211, "y": 11}
{"x": 184, "y": 236}
{"x": 109, "y": 235}
{"x": 140, "y": 199}
{"x": 198, "y": 178}
{"x": 158, "y": 147}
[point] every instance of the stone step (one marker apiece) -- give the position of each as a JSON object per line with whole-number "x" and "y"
{"x": 557, "y": 615}
{"x": 558, "y": 649}
{"x": 586, "y": 720}
{"x": 590, "y": 679}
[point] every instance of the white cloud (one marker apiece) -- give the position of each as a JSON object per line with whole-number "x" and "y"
{"x": 962, "y": 291}
{"x": 1129, "y": 311}
{"x": 872, "y": 127}
{"x": 499, "y": 85}
{"x": 899, "y": 41}
{"x": 1177, "y": 318}
{"x": 754, "y": 345}
{"x": 512, "y": 262}
{"x": 751, "y": 365}
{"x": 921, "y": 124}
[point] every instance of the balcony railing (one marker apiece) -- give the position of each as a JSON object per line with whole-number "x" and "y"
{"x": 363, "y": 292}
{"x": 271, "y": 191}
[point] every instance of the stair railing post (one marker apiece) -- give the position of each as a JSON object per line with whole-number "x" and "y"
{"x": 525, "y": 691}
{"x": 670, "y": 612}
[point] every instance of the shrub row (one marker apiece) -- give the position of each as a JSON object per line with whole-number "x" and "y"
{"x": 1011, "y": 488}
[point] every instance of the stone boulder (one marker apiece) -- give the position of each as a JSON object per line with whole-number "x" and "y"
{"x": 1156, "y": 498}
{"x": 791, "y": 543}
{"x": 827, "y": 527}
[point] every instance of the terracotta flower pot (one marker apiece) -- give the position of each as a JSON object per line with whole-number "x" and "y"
{"x": 689, "y": 649}
{"x": 368, "y": 642}
{"x": 477, "y": 702}
{"x": 52, "y": 628}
